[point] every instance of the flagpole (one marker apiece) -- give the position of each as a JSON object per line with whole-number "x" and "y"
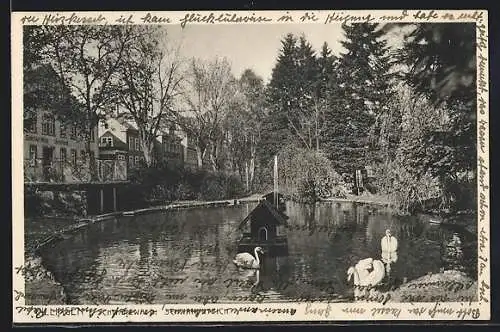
{"x": 276, "y": 181}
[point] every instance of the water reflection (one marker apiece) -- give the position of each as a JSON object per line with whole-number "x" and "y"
{"x": 186, "y": 256}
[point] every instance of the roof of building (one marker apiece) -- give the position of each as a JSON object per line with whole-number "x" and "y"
{"x": 128, "y": 123}
{"x": 112, "y": 127}
{"x": 277, "y": 217}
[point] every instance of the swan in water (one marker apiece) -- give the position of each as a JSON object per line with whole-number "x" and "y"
{"x": 389, "y": 257}
{"x": 247, "y": 261}
{"x": 367, "y": 273}
{"x": 389, "y": 246}
{"x": 389, "y": 243}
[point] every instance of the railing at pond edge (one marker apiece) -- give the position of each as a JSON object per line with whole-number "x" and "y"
{"x": 64, "y": 171}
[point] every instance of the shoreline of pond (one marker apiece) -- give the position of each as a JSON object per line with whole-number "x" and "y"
{"x": 74, "y": 223}
{"x": 40, "y": 286}
{"x": 44, "y": 289}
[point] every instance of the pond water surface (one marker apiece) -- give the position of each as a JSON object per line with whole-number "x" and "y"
{"x": 185, "y": 256}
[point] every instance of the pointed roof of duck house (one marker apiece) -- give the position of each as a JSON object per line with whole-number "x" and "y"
{"x": 266, "y": 208}
{"x": 270, "y": 196}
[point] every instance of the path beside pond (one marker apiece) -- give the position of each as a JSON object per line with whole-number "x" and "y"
{"x": 363, "y": 199}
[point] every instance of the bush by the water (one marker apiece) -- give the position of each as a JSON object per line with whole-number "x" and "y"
{"x": 169, "y": 183}
{"x": 54, "y": 203}
{"x": 410, "y": 193}
{"x": 402, "y": 187}
{"x": 306, "y": 175}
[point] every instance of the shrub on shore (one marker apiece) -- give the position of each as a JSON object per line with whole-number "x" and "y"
{"x": 149, "y": 186}
{"x": 169, "y": 183}
{"x": 409, "y": 194}
{"x": 306, "y": 176}
{"x": 57, "y": 203}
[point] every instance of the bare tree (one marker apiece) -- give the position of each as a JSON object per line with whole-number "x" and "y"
{"x": 209, "y": 94}
{"x": 245, "y": 125}
{"x": 149, "y": 82}
{"x": 86, "y": 60}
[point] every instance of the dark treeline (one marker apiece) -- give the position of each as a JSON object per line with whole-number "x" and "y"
{"x": 406, "y": 112}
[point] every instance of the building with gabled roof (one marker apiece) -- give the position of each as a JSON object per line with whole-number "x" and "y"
{"x": 55, "y": 145}
{"x": 119, "y": 140}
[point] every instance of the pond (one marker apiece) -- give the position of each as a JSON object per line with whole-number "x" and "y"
{"x": 185, "y": 256}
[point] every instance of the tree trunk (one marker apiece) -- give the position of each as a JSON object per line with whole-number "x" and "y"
{"x": 199, "y": 156}
{"x": 213, "y": 163}
{"x": 92, "y": 161}
{"x": 240, "y": 171}
{"x": 316, "y": 129}
{"x": 309, "y": 136}
{"x": 317, "y": 134}
{"x": 252, "y": 169}
{"x": 92, "y": 158}
{"x": 247, "y": 176}
{"x": 213, "y": 158}
{"x": 147, "y": 147}
{"x": 252, "y": 161}
{"x": 148, "y": 154}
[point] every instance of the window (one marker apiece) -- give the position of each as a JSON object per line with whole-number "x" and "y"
{"x": 120, "y": 157}
{"x": 107, "y": 141}
{"x": 73, "y": 156}
{"x": 92, "y": 135}
{"x": 48, "y": 125}
{"x": 31, "y": 122}
{"x": 62, "y": 130}
{"x": 83, "y": 155}
{"x": 137, "y": 159}
{"x": 73, "y": 132}
{"x": 131, "y": 143}
{"x": 131, "y": 161}
{"x": 62, "y": 155}
{"x": 137, "y": 145}
{"x": 369, "y": 172}
{"x": 32, "y": 156}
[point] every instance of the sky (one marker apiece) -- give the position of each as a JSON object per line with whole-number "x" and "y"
{"x": 250, "y": 46}
{"x": 256, "y": 46}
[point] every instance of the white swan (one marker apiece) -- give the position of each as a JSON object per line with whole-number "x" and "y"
{"x": 389, "y": 256}
{"x": 364, "y": 279}
{"x": 247, "y": 261}
{"x": 389, "y": 243}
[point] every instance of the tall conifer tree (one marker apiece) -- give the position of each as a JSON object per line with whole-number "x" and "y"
{"x": 359, "y": 100}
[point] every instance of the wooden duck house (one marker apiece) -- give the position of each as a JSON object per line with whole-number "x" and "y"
{"x": 277, "y": 200}
{"x": 264, "y": 227}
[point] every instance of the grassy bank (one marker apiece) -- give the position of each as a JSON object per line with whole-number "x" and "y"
{"x": 41, "y": 288}
{"x": 38, "y": 230}
{"x": 446, "y": 286}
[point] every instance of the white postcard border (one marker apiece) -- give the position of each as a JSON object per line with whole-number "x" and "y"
{"x": 266, "y": 311}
